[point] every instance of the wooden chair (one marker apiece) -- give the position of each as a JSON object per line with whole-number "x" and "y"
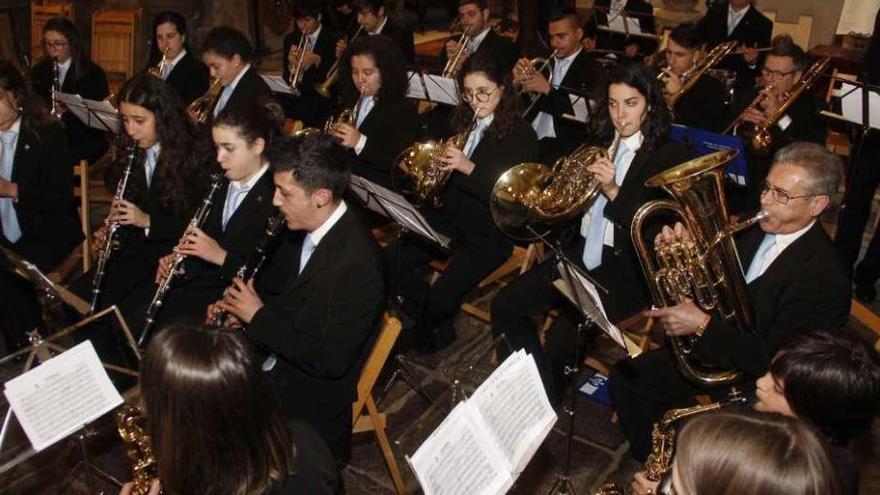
{"x": 83, "y": 251}
{"x": 113, "y": 43}
{"x": 373, "y": 419}
{"x": 865, "y": 316}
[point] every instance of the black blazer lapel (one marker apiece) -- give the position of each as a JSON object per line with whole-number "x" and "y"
{"x": 324, "y": 252}
{"x": 255, "y": 198}
{"x": 23, "y": 158}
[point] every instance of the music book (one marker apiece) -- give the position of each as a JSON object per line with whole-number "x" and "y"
{"x": 851, "y": 105}
{"x": 277, "y": 84}
{"x": 487, "y": 440}
{"x": 61, "y": 395}
{"x": 431, "y": 87}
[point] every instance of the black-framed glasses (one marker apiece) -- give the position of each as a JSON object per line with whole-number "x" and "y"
{"x": 782, "y": 196}
{"x": 55, "y": 44}
{"x": 480, "y": 96}
{"x": 776, "y": 74}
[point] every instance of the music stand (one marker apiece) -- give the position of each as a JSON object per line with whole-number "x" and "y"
{"x": 100, "y": 115}
{"x": 432, "y": 88}
{"x": 862, "y": 92}
{"x": 277, "y": 84}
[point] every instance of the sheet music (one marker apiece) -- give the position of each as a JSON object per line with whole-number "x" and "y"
{"x": 579, "y": 106}
{"x": 277, "y": 84}
{"x": 58, "y": 397}
{"x": 616, "y": 23}
{"x": 74, "y": 103}
{"x": 458, "y": 458}
{"x": 589, "y": 297}
{"x": 105, "y": 112}
{"x": 857, "y": 16}
{"x": 851, "y": 105}
{"x": 439, "y": 89}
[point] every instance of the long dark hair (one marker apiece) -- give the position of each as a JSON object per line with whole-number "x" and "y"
{"x": 79, "y": 56}
{"x": 388, "y": 59}
{"x": 655, "y": 128}
{"x": 508, "y": 109}
{"x": 213, "y": 415}
{"x": 177, "y": 170}
{"x": 171, "y": 17}
{"x": 33, "y": 111}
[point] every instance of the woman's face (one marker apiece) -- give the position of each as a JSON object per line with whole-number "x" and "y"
{"x": 236, "y": 157}
{"x": 169, "y": 40}
{"x": 628, "y": 109}
{"x": 365, "y": 74}
{"x": 482, "y": 94}
{"x": 57, "y": 46}
{"x": 140, "y": 124}
{"x": 9, "y": 112}
{"x": 225, "y": 69}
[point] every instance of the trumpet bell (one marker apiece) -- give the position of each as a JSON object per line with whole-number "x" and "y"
{"x": 512, "y": 196}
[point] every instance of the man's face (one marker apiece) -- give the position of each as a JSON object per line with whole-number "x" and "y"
{"x": 473, "y": 19}
{"x": 679, "y": 58}
{"x": 308, "y": 24}
{"x": 780, "y": 73}
{"x": 788, "y": 201}
{"x": 299, "y": 207}
{"x": 565, "y": 37}
{"x": 370, "y": 20}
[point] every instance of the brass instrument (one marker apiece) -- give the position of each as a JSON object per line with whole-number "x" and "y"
{"x": 758, "y": 137}
{"x": 296, "y": 69}
{"x": 536, "y": 65}
{"x": 692, "y": 75}
{"x": 56, "y": 86}
{"x": 176, "y": 264}
{"x": 531, "y": 196}
{"x": 251, "y": 267}
{"x": 659, "y": 461}
{"x": 706, "y": 267}
{"x": 451, "y": 67}
{"x": 418, "y": 171}
{"x": 110, "y": 228}
{"x": 348, "y": 116}
{"x": 200, "y": 109}
{"x": 130, "y": 424}
{"x": 159, "y": 69}
{"x": 323, "y": 88}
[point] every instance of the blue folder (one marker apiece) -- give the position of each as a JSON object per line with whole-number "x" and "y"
{"x": 703, "y": 142}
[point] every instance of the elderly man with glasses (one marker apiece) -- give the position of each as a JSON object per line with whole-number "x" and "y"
{"x": 795, "y": 280}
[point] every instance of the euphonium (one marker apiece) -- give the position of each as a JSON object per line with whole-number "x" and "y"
{"x": 129, "y": 422}
{"x": 418, "y": 171}
{"x": 758, "y": 137}
{"x": 706, "y": 267}
{"x": 200, "y": 109}
{"x": 659, "y": 461}
{"x": 536, "y": 65}
{"x": 530, "y": 196}
{"x": 323, "y": 88}
{"x": 451, "y": 66}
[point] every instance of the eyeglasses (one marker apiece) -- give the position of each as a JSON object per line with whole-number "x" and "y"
{"x": 480, "y": 96}
{"x": 775, "y": 74}
{"x": 782, "y": 196}
{"x": 55, "y": 44}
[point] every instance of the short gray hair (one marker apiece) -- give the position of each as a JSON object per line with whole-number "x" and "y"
{"x": 824, "y": 168}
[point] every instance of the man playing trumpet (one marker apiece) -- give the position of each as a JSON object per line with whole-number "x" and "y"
{"x": 372, "y": 20}
{"x": 474, "y": 18}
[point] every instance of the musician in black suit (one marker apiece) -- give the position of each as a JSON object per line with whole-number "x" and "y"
{"x": 634, "y": 116}
{"x": 795, "y": 281}
{"x": 702, "y": 106}
{"x": 474, "y": 18}
{"x": 573, "y": 72}
{"x": 373, "y": 83}
{"x": 373, "y": 21}
{"x": 634, "y": 12}
{"x": 320, "y": 327}
{"x": 77, "y": 74}
{"x": 319, "y": 55}
{"x": 740, "y": 21}
{"x": 181, "y": 69}
{"x": 228, "y": 54}
{"x": 492, "y": 138}
{"x": 37, "y": 218}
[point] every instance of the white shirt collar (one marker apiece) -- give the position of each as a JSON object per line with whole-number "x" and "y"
{"x": 569, "y": 58}
{"x": 314, "y": 36}
{"x": 179, "y": 56}
{"x": 741, "y": 12}
{"x": 234, "y": 82}
{"x": 319, "y": 233}
{"x": 156, "y": 148}
{"x": 785, "y": 240}
{"x": 253, "y": 180}
{"x": 485, "y": 122}
{"x": 634, "y": 142}
{"x": 62, "y": 70}
{"x": 478, "y": 39}
{"x": 15, "y": 127}
{"x": 381, "y": 26}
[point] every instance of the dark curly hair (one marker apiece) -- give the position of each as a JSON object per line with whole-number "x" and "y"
{"x": 33, "y": 111}
{"x": 508, "y": 109}
{"x": 655, "y": 129}
{"x": 178, "y": 170}
{"x": 388, "y": 59}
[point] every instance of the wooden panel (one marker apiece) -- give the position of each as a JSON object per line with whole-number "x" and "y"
{"x": 39, "y": 15}
{"x": 113, "y": 39}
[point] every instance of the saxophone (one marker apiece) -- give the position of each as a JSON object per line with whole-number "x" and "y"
{"x": 110, "y": 227}
{"x": 659, "y": 461}
{"x": 255, "y": 261}
{"x": 176, "y": 264}
{"x": 129, "y": 423}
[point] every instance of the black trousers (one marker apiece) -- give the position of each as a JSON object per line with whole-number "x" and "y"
{"x": 862, "y": 183}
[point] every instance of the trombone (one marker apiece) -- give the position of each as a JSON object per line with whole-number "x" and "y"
{"x": 323, "y": 88}
{"x": 296, "y": 70}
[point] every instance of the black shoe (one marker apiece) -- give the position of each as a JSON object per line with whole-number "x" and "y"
{"x": 866, "y": 293}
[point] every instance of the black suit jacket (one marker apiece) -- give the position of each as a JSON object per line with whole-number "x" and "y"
{"x": 91, "y": 83}
{"x": 637, "y": 9}
{"x": 703, "y": 105}
{"x": 753, "y": 30}
{"x": 250, "y": 90}
{"x": 43, "y": 170}
{"x": 806, "y": 287}
{"x": 390, "y": 128}
{"x": 403, "y": 38}
{"x": 494, "y": 43}
{"x": 323, "y": 322}
{"x": 190, "y": 78}
{"x": 871, "y": 71}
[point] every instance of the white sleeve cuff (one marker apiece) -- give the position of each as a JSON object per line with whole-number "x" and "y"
{"x": 784, "y": 122}
{"x": 359, "y": 147}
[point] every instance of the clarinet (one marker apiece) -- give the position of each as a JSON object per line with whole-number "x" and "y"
{"x": 110, "y": 228}
{"x": 255, "y": 261}
{"x": 176, "y": 264}
{"x": 56, "y": 86}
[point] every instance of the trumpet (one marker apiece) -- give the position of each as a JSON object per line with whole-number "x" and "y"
{"x": 451, "y": 67}
{"x": 296, "y": 70}
{"x": 200, "y": 109}
{"x": 536, "y": 65}
{"x": 323, "y": 88}
{"x": 56, "y": 86}
{"x": 158, "y": 70}
{"x": 176, "y": 264}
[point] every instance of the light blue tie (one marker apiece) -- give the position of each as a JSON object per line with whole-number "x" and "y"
{"x": 307, "y": 249}
{"x": 474, "y": 138}
{"x": 595, "y": 238}
{"x": 559, "y": 72}
{"x": 11, "y": 228}
{"x": 755, "y": 269}
{"x": 364, "y": 110}
{"x": 224, "y": 97}
{"x": 232, "y": 202}
{"x": 150, "y": 165}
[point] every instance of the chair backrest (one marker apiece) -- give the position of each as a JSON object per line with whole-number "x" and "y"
{"x": 114, "y": 34}
{"x": 81, "y": 191}
{"x": 40, "y": 14}
{"x": 376, "y": 361}
{"x": 837, "y": 80}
